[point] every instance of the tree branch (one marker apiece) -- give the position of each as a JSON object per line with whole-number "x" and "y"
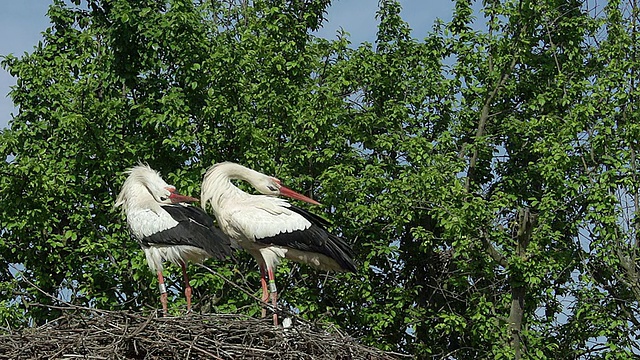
{"x": 493, "y": 252}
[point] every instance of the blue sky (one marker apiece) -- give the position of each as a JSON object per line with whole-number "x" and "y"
{"x": 22, "y": 22}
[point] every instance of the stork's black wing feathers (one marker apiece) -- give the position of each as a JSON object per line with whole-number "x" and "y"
{"x": 315, "y": 239}
{"x": 194, "y": 228}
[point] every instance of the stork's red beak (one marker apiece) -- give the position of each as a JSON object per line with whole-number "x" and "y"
{"x": 177, "y": 198}
{"x": 294, "y": 195}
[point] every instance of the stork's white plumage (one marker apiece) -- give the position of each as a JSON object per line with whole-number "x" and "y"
{"x": 270, "y": 228}
{"x": 167, "y": 228}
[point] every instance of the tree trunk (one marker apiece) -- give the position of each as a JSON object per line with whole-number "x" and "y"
{"x": 526, "y": 222}
{"x": 515, "y": 319}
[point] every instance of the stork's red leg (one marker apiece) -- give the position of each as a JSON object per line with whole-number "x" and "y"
{"x": 187, "y": 286}
{"x": 265, "y": 292}
{"x": 163, "y": 293}
{"x": 274, "y": 295}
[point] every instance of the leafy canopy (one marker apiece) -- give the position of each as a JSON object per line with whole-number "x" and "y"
{"x": 485, "y": 174}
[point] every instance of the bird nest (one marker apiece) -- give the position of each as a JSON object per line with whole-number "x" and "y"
{"x": 83, "y": 333}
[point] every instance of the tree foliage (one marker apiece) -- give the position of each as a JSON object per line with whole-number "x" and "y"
{"x": 485, "y": 174}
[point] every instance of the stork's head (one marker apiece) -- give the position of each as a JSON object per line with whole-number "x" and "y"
{"x": 145, "y": 184}
{"x": 269, "y": 185}
{"x": 223, "y": 172}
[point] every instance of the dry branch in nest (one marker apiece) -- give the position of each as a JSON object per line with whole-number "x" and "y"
{"x": 83, "y": 333}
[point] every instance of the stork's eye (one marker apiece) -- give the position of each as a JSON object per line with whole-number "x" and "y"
{"x": 163, "y": 198}
{"x": 272, "y": 188}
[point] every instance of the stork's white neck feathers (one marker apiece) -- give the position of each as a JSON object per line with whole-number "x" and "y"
{"x": 136, "y": 190}
{"x": 135, "y": 195}
{"x": 218, "y": 188}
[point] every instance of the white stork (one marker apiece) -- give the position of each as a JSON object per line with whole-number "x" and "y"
{"x": 270, "y": 228}
{"x": 167, "y": 228}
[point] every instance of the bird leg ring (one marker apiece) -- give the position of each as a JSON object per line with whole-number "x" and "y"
{"x": 274, "y": 296}
{"x": 163, "y": 293}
